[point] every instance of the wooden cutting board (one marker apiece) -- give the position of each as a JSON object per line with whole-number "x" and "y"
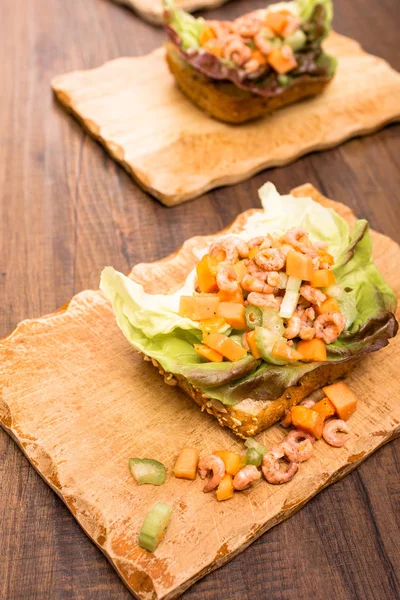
{"x": 152, "y": 10}
{"x": 176, "y": 152}
{"x": 79, "y": 402}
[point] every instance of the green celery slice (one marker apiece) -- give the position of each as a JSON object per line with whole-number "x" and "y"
{"x": 147, "y": 470}
{"x": 252, "y": 443}
{"x": 154, "y": 526}
{"x": 253, "y": 457}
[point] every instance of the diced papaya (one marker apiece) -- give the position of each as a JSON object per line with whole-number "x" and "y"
{"x": 328, "y": 306}
{"x": 259, "y": 57}
{"x": 282, "y": 60}
{"x": 206, "y": 35}
{"x": 232, "y": 313}
{"x": 198, "y": 308}
{"x": 214, "y": 47}
{"x": 342, "y": 398}
{"x": 325, "y": 408}
{"x": 250, "y": 338}
{"x": 292, "y": 24}
{"x": 322, "y": 278}
{"x": 240, "y": 268}
{"x": 253, "y": 252}
{"x": 299, "y": 265}
{"x": 326, "y": 257}
{"x": 233, "y": 462}
{"x": 231, "y": 297}
{"x": 277, "y": 20}
{"x": 212, "y": 325}
{"x": 280, "y": 349}
{"x": 225, "y": 490}
{"x": 186, "y": 464}
{"x": 227, "y": 347}
{"x": 208, "y": 353}
{"x": 207, "y": 274}
{"x": 312, "y": 350}
{"x": 307, "y": 420}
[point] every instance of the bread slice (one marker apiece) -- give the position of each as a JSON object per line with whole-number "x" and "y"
{"x": 225, "y": 101}
{"x": 249, "y": 417}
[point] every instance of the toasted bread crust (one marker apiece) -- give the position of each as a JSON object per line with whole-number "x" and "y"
{"x": 250, "y": 417}
{"x": 225, "y": 101}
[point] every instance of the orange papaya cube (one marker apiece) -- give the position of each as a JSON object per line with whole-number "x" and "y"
{"x": 280, "y": 349}
{"x": 326, "y": 257}
{"x": 325, "y": 408}
{"x": 312, "y": 350}
{"x": 307, "y": 420}
{"x": 227, "y": 347}
{"x": 198, "y": 308}
{"x": 231, "y": 297}
{"x": 212, "y": 325}
{"x": 207, "y": 274}
{"x": 186, "y": 464}
{"x": 233, "y": 462}
{"x": 225, "y": 490}
{"x": 208, "y": 353}
{"x": 299, "y": 265}
{"x": 328, "y": 306}
{"x": 240, "y": 268}
{"x": 282, "y": 60}
{"x": 342, "y": 398}
{"x": 206, "y": 35}
{"x": 253, "y": 252}
{"x": 292, "y": 24}
{"x": 277, "y": 20}
{"x": 322, "y": 278}
{"x": 233, "y": 314}
{"x": 250, "y": 338}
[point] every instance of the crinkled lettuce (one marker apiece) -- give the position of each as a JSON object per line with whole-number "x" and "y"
{"x": 306, "y": 8}
{"x": 151, "y": 323}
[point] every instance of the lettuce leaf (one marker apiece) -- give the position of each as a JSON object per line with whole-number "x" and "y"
{"x": 307, "y": 7}
{"x": 151, "y": 323}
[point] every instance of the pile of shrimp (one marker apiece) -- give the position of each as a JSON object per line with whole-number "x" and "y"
{"x": 262, "y": 281}
{"x": 246, "y": 42}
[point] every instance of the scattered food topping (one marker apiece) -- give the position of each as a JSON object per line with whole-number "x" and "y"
{"x": 154, "y": 526}
{"x": 147, "y": 470}
{"x": 187, "y": 463}
{"x": 342, "y": 398}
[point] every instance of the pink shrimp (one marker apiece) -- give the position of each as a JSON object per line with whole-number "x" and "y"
{"x": 298, "y": 445}
{"x": 262, "y": 241}
{"x": 270, "y": 259}
{"x": 213, "y": 465}
{"x": 298, "y": 238}
{"x": 236, "y": 50}
{"x": 313, "y": 295}
{"x": 273, "y": 279}
{"x": 329, "y": 326}
{"x": 221, "y": 28}
{"x": 307, "y": 329}
{"x": 227, "y": 279}
{"x": 252, "y": 284}
{"x": 307, "y": 402}
{"x": 331, "y": 430}
{"x": 231, "y": 248}
{"x": 255, "y": 271}
{"x": 264, "y": 300}
{"x": 271, "y": 466}
{"x": 260, "y": 40}
{"x": 253, "y": 67}
{"x": 247, "y": 26}
{"x": 293, "y": 327}
{"x": 245, "y": 477}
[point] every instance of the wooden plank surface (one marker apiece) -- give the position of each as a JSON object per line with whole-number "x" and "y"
{"x": 176, "y": 152}
{"x": 66, "y": 210}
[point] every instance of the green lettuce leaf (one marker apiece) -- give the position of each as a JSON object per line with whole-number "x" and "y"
{"x": 151, "y": 323}
{"x": 306, "y": 8}
{"x": 187, "y": 27}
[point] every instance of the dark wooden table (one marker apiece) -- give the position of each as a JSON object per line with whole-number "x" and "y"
{"x": 66, "y": 210}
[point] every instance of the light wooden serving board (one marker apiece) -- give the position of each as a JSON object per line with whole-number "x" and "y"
{"x": 79, "y": 401}
{"x": 152, "y": 10}
{"x": 176, "y": 152}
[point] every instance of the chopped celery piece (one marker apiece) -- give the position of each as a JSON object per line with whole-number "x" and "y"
{"x": 289, "y": 304}
{"x": 265, "y": 340}
{"x": 252, "y": 443}
{"x": 293, "y": 284}
{"x": 272, "y": 321}
{"x": 283, "y": 283}
{"x": 253, "y": 316}
{"x": 253, "y": 457}
{"x": 147, "y": 470}
{"x": 154, "y": 526}
{"x": 284, "y": 79}
{"x": 296, "y": 40}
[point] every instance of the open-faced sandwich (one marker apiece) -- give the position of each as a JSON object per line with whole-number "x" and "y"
{"x": 267, "y": 316}
{"x": 243, "y": 69}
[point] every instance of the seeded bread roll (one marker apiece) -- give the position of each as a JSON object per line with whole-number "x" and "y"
{"x": 225, "y": 101}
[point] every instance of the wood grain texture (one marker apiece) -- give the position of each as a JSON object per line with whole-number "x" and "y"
{"x": 152, "y": 10}
{"x": 79, "y": 402}
{"x": 176, "y": 152}
{"x": 66, "y": 209}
